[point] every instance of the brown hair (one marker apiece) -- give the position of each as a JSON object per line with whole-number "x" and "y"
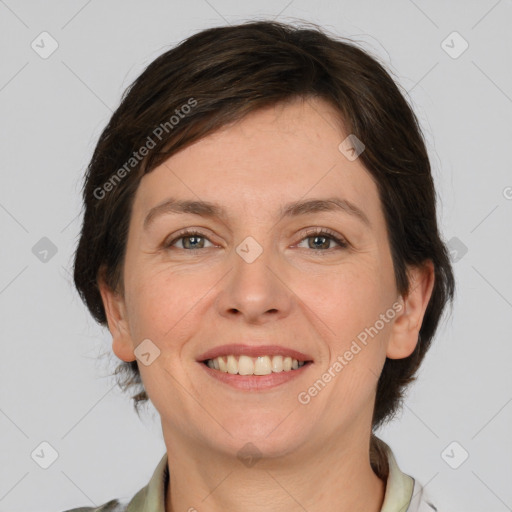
{"x": 223, "y": 73}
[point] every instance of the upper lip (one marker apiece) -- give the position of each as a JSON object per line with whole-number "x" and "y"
{"x": 253, "y": 351}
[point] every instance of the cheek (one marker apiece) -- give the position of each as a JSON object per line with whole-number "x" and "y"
{"x": 346, "y": 300}
{"x": 162, "y": 303}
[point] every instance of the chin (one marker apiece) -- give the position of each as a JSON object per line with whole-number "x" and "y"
{"x": 270, "y": 438}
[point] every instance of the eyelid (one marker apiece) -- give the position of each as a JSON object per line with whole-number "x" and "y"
{"x": 183, "y": 233}
{"x": 339, "y": 239}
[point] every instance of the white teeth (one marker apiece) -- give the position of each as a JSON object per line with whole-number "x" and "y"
{"x": 245, "y": 365}
{"x": 262, "y": 365}
{"x": 277, "y": 364}
{"x": 232, "y": 365}
{"x": 223, "y": 367}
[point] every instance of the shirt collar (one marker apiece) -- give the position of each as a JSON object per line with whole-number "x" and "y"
{"x": 397, "y": 497}
{"x": 399, "y": 486}
{"x": 152, "y": 497}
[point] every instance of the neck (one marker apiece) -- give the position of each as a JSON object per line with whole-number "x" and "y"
{"x": 335, "y": 476}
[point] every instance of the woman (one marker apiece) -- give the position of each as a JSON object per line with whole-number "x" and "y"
{"x": 260, "y": 237}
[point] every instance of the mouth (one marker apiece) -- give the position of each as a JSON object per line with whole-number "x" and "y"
{"x": 254, "y": 367}
{"x": 261, "y": 365}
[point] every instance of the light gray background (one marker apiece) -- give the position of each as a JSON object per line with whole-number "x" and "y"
{"x": 53, "y": 386}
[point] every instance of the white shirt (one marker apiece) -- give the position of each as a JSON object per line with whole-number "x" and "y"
{"x": 403, "y": 492}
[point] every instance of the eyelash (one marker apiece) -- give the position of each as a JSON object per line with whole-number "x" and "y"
{"x": 343, "y": 244}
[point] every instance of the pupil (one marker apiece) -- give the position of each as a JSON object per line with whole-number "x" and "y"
{"x": 319, "y": 238}
{"x": 194, "y": 239}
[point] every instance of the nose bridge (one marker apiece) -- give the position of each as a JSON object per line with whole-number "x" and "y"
{"x": 254, "y": 286}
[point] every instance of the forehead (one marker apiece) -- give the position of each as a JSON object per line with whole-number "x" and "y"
{"x": 277, "y": 155}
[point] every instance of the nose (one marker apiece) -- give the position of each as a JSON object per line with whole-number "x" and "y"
{"x": 255, "y": 288}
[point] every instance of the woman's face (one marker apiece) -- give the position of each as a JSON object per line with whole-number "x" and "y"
{"x": 255, "y": 276}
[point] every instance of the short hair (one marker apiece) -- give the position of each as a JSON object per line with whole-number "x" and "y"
{"x": 218, "y": 76}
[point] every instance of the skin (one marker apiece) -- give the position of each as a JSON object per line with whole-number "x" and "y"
{"x": 314, "y": 456}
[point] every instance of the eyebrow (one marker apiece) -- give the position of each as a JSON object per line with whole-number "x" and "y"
{"x": 294, "y": 209}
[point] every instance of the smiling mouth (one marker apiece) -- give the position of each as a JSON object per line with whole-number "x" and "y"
{"x": 262, "y": 365}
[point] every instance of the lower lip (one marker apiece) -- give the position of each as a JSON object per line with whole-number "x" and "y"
{"x": 256, "y": 382}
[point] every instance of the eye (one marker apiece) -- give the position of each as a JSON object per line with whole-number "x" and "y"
{"x": 322, "y": 237}
{"x": 192, "y": 239}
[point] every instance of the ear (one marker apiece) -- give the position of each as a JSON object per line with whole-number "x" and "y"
{"x": 406, "y": 328}
{"x": 115, "y": 310}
